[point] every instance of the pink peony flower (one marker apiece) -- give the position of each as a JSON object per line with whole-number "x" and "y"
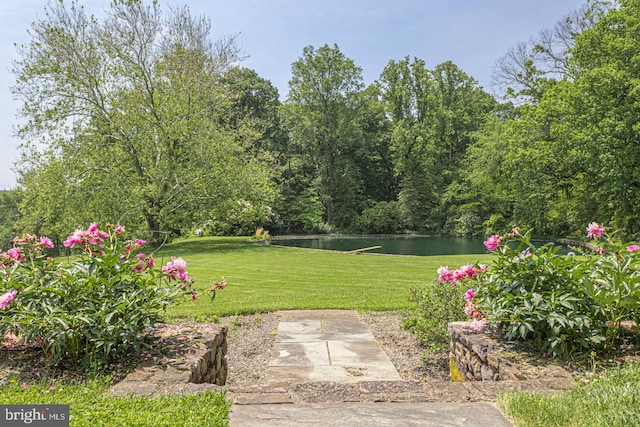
{"x": 478, "y": 325}
{"x": 176, "y": 268}
{"x": 633, "y": 248}
{"x": 16, "y": 253}
{"x": 444, "y": 274}
{"x": 492, "y": 242}
{"x": 73, "y": 240}
{"x": 92, "y": 228}
{"x": 469, "y": 270}
{"x": 595, "y": 230}
{"x": 46, "y": 242}
{"x": 468, "y": 296}
{"x": 7, "y": 298}
{"x": 119, "y": 229}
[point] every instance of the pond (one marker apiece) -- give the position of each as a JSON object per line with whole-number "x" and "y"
{"x": 398, "y": 245}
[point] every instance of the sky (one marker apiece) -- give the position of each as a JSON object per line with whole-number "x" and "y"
{"x": 473, "y": 34}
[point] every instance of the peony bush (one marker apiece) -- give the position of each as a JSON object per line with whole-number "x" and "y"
{"x": 96, "y": 307}
{"x": 563, "y": 305}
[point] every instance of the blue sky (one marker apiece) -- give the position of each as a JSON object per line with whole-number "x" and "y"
{"x": 471, "y": 33}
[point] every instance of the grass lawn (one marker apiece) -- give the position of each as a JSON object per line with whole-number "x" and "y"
{"x": 91, "y": 406}
{"x": 612, "y": 400}
{"x": 267, "y": 278}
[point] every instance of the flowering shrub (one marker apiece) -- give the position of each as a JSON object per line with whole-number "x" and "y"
{"x": 534, "y": 294}
{"x": 562, "y": 304}
{"x": 94, "y": 308}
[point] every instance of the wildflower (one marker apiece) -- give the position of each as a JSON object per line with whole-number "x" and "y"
{"x": 633, "y": 248}
{"x": 7, "y": 298}
{"x": 492, "y": 242}
{"x": 25, "y": 386}
{"x": 468, "y": 296}
{"x": 140, "y": 242}
{"x": 595, "y": 230}
{"x": 51, "y": 388}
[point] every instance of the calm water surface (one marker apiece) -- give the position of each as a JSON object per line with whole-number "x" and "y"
{"x": 401, "y": 245}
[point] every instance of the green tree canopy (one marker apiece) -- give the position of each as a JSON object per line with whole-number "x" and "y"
{"x": 126, "y": 120}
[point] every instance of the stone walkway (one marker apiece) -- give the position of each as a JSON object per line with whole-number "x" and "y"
{"x": 328, "y": 369}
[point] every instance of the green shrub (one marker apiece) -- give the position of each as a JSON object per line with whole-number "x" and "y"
{"x": 93, "y": 309}
{"x": 437, "y": 305}
{"x": 381, "y": 218}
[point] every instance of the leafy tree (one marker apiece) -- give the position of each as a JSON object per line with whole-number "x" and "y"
{"x": 321, "y": 113}
{"x": 125, "y": 119}
{"x": 434, "y": 114}
{"x": 604, "y": 117}
{"x": 254, "y": 105}
{"x": 9, "y": 200}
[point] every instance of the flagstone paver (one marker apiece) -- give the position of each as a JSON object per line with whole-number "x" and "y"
{"x": 327, "y": 345}
{"x": 328, "y": 369}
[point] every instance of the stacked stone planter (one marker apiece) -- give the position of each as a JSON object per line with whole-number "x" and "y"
{"x": 191, "y": 359}
{"x": 484, "y": 357}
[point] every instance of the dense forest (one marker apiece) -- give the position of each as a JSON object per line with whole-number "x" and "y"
{"x": 144, "y": 118}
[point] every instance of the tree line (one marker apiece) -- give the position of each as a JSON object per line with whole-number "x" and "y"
{"x": 143, "y": 117}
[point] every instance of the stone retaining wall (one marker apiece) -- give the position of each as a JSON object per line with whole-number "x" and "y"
{"x": 188, "y": 359}
{"x": 484, "y": 357}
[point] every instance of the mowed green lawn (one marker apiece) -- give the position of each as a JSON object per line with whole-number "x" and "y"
{"x": 265, "y": 278}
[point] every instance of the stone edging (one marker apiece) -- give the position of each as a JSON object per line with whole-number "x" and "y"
{"x": 389, "y": 391}
{"x": 192, "y": 359}
{"x": 483, "y": 357}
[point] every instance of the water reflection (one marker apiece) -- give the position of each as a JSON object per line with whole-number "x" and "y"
{"x": 401, "y": 245}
